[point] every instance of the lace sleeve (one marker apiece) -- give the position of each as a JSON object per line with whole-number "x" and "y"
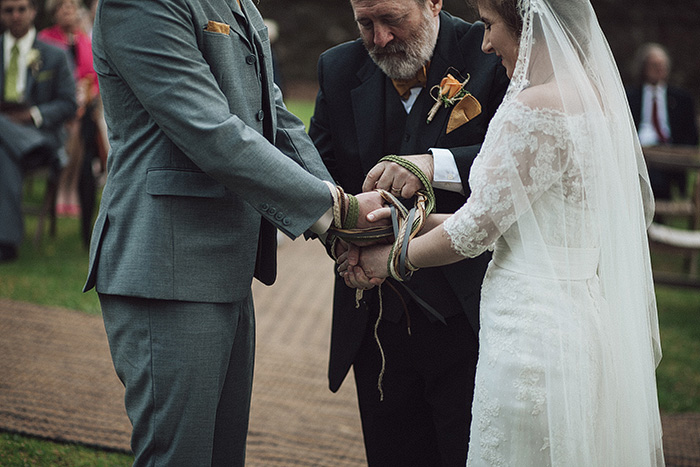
{"x": 524, "y": 154}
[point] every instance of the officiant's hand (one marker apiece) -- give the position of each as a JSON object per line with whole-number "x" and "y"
{"x": 397, "y": 180}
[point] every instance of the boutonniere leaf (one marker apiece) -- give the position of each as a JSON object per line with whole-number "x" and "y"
{"x": 34, "y": 60}
{"x": 449, "y": 92}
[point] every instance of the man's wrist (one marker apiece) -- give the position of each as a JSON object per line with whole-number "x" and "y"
{"x": 36, "y": 116}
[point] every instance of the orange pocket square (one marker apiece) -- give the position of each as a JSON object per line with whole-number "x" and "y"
{"x": 465, "y": 110}
{"x": 221, "y": 28}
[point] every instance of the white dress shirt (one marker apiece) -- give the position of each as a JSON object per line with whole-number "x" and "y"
{"x": 647, "y": 132}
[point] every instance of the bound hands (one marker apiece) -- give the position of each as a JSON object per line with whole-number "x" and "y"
{"x": 364, "y": 266}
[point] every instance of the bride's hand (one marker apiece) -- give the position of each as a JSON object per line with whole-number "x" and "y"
{"x": 371, "y": 266}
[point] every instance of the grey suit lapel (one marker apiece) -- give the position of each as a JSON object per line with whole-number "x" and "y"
{"x": 368, "y": 102}
{"x": 241, "y": 25}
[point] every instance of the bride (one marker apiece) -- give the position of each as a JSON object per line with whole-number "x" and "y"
{"x": 569, "y": 336}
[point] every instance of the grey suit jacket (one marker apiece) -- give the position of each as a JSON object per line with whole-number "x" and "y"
{"x": 205, "y": 158}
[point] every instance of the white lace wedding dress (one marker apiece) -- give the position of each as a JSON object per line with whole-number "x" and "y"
{"x": 546, "y": 391}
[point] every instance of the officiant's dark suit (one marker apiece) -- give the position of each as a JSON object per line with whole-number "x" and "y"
{"x": 429, "y": 378}
{"x": 29, "y": 137}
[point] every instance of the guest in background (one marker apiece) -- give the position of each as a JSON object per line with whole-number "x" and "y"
{"x": 663, "y": 114}
{"x": 68, "y": 34}
{"x": 273, "y": 32}
{"x": 38, "y": 96}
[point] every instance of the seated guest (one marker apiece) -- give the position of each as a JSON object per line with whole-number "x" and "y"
{"x": 38, "y": 97}
{"x": 663, "y": 114}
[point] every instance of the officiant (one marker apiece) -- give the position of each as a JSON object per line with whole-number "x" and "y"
{"x": 416, "y": 84}
{"x": 38, "y": 96}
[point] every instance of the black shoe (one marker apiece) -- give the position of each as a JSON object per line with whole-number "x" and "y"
{"x": 8, "y": 253}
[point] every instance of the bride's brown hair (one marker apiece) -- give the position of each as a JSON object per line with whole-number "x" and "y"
{"x": 506, "y": 9}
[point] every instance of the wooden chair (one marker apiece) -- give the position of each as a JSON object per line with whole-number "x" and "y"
{"x": 46, "y": 212}
{"x": 673, "y": 239}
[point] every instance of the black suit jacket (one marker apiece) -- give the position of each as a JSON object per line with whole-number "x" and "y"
{"x": 359, "y": 118}
{"x": 681, "y": 113}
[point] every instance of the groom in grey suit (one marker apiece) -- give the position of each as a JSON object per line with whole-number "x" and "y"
{"x": 205, "y": 164}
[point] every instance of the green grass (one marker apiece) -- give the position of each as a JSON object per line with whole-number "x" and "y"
{"x": 21, "y": 451}
{"x": 54, "y": 273}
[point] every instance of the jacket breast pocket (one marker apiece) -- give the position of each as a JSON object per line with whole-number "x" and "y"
{"x": 178, "y": 182}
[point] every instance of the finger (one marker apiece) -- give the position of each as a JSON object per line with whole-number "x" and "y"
{"x": 353, "y": 255}
{"x": 360, "y": 279}
{"x": 379, "y": 214}
{"x": 351, "y": 280}
{"x": 388, "y": 178}
{"x": 343, "y": 267}
{"x": 410, "y": 187}
{"x": 373, "y": 177}
{"x": 375, "y": 281}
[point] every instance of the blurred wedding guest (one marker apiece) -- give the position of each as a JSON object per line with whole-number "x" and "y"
{"x": 68, "y": 34}
{"x": 273, "y": 32}
{"x": 663, "y": 114}
{"x": 38, "y": 96}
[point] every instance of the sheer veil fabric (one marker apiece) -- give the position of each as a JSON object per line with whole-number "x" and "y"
{"x": 569, "y": 331}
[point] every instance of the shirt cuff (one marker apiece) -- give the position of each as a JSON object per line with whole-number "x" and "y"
{"x": 36, "y": 116}
{"x": 323, "y": 223}
{"x": 321, "y": 226}
{"x": 445, "y": 173}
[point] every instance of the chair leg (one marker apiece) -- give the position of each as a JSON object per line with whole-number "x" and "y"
{"x": 48, "y": 209}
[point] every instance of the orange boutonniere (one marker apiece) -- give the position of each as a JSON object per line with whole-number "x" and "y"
{"x": 449, "y": 92}
{"x": 452, "y": 92}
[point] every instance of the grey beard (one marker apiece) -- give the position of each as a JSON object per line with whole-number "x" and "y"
{"x": 402, "y": 60}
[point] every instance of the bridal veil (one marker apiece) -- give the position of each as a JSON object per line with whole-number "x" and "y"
{"x": 600, "y": 389}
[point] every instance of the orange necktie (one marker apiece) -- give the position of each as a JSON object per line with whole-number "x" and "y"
{"x": 404, "y": 86}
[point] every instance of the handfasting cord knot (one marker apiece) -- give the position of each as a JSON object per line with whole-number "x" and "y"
{"x": 406, "y": 223}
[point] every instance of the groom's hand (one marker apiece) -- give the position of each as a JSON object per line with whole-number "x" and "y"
{"x": 398, "y": 180}
{"x": 369, "y": 202}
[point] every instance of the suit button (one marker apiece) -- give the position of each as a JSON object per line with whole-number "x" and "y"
{"x": 250, "y": 59}
{"x": 407, "y": 137}
{"x": 261, "y": 115}
{"x": 286, "y": 221}
{"x": 272, "y": 211}
{"x": 279, "y": 216}
{"x": 264, "y": 207}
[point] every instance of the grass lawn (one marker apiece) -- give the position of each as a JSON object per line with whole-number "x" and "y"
{"x": 54, "y": 273}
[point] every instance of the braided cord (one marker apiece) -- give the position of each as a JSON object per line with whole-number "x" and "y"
{"x": 415, "y": 170}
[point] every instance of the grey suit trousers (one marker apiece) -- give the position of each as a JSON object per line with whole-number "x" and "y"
{"x": 188, "y": 372}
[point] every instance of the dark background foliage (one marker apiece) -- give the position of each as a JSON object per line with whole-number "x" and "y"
{"x": 308, "y": 27}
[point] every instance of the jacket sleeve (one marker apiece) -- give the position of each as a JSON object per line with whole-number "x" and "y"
{"x": 163, "y": 64}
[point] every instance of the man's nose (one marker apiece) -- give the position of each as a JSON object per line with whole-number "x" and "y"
{"x": 382, "y": 35}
